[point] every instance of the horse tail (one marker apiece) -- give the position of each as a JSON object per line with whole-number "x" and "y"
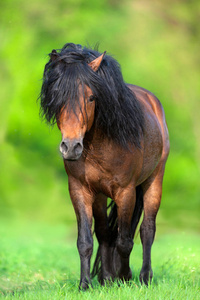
{"x": 113, "y": 228}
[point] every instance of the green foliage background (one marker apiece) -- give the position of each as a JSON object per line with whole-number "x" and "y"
{"x": 157, "y": 45}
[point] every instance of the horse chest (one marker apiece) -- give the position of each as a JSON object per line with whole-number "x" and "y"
{"x": 103, "y": 176}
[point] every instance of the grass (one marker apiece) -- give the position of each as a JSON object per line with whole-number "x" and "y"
{"x": 40, "y": 261}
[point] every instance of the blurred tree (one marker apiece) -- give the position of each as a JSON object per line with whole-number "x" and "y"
{"x": 157, "y": 45}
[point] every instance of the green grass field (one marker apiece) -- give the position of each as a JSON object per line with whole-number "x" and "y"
{"x": 40, "y": 261}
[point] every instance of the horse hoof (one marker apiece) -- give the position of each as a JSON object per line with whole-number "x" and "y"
{"x": 146, "y": 277}
{"x": 126, "y": 277}
{"x": 84, "y": 285}
{"x": 107, "y": 280}
{"x": 129, "y": 275}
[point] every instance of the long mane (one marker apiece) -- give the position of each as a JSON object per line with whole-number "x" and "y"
{"x": 118, "y": 112}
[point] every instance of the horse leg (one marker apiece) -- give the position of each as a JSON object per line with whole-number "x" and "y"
{"x": 82, "y": 201}
{"x": 103, "y": 237}
{"x": 124, "y": 244}
{"x": 152, "y": 191}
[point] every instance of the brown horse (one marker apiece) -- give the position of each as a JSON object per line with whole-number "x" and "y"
{"x": 114, "y": 144}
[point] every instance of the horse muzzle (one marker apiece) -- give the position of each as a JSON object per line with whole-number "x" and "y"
{"x": 71, "y": 149}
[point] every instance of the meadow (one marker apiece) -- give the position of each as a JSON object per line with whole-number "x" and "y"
{"x": 40, "y": 261}
{"x": 157, "y": 45}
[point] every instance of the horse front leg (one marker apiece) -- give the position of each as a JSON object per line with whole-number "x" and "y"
{"x": 82, "y": 201}
{"x": 152, "y": 191}
{"x": 125, "y": 202}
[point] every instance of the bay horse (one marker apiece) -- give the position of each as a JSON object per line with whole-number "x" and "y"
{"x": 114, "y": 145}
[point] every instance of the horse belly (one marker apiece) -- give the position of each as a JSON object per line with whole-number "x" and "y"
{"x": 153, "y": 147}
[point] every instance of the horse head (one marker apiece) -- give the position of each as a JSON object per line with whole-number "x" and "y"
{"x": 73, "y": 124}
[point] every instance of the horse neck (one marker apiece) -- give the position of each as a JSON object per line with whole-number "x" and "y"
{"x": 93, "y": 139}
{"x": 98, "y": 145}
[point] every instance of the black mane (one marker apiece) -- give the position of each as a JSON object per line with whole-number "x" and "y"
{"x": 118, "y": 112}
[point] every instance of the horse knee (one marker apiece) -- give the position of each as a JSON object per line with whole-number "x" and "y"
{"x": 124, "y": 246}
{"x": 85, "y": 248}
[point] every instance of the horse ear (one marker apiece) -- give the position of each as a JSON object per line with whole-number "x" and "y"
{"x": 95, "y": 64}
{"x": 53, "y": 55}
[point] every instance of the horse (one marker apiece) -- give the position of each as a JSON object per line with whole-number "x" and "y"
{"x": 114, "y": 145}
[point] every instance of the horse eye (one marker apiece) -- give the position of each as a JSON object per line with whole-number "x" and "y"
{"x": 91, "y": 98}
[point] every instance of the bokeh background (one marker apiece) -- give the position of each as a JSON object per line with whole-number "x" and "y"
{"x": 156, "y": 43}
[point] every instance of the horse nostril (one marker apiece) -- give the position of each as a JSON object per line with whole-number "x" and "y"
{"x": 63, "y": 147}
{"x": 78, "y": 148}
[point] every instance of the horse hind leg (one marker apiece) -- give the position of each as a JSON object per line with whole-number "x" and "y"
{"x": 152, "y": 191}
{"x": 125, "y": 206}
{"x": 103, "y": 263}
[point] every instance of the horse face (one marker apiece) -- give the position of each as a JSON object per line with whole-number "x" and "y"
{"x": 74, "y": 124}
